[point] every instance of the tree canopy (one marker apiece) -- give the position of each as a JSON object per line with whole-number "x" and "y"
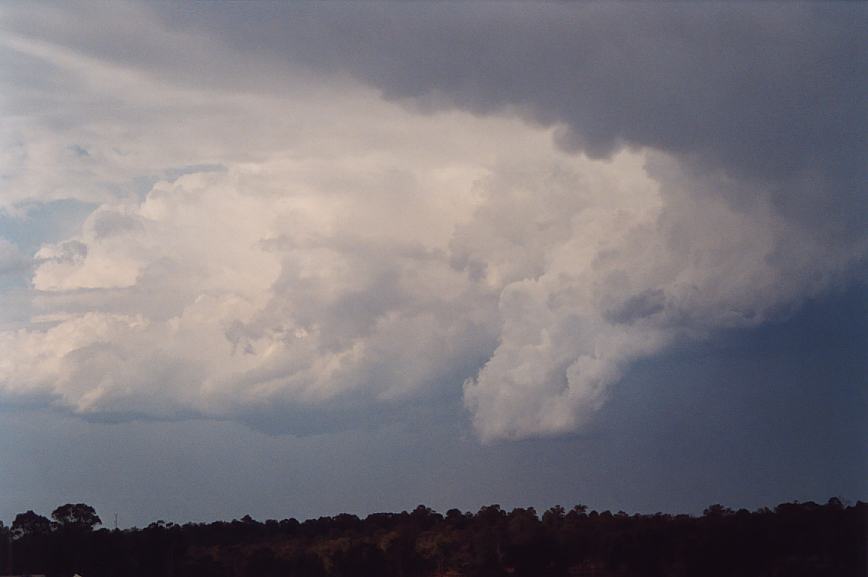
{"x": 78, "y": 516}
{"x": 792, "y": 539}
{"x": 30, "y": 523}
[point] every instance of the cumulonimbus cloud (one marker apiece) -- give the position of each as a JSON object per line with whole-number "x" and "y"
{"x": 320, "y": 241}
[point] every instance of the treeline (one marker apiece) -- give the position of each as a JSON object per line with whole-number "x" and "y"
{"x": 793, "y": 539}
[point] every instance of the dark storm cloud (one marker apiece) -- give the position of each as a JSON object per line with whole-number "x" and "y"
{"x": 768, "y": 94}
{"x": 765, "y": 91}
{"x": 744, "y": 200}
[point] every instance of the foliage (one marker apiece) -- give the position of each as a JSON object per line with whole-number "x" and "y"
{"x": 793, "y": 539}
{"x": 30, "y": 523}
{"x": 77, "y": 516}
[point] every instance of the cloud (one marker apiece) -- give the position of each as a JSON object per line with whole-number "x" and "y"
{"x": 320, "y": 272}
{"x": 623, "y": 284}
{"x": 514, "y": 205}
{"x": 11, "y": 259}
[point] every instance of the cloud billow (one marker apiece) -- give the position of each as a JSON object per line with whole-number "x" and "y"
{"x": 561, "y": 190}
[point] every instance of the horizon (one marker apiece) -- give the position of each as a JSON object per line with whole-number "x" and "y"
{"x": 111, "y": 525}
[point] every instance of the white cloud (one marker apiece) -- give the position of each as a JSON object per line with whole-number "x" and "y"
{"x": 622, "y": 283}
{"x": 349, "y": 246}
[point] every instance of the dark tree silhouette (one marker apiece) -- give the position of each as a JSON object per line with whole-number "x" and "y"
{"x": 30, "y": 523}
{"x": 76, "y": 516}
{"x": 792, "y": 539}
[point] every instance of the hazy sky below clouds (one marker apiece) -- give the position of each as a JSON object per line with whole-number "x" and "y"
{"x": 389, "y": 254}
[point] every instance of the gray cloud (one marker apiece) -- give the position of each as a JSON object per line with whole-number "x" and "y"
{"x": 11, "y": 259}
{"x": 766, "y": 94}
{"x": 679, "y": 170}
{"x": 762, "y": 92}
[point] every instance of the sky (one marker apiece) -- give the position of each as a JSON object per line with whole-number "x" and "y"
{"x": 292, "y": 260}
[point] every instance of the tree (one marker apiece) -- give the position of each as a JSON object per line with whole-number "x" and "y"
{"x": 76, "y": 516}
{"x": 30, "y": 523}
{"x": 554, "y": 518}
{"x": 717, "y": 510}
